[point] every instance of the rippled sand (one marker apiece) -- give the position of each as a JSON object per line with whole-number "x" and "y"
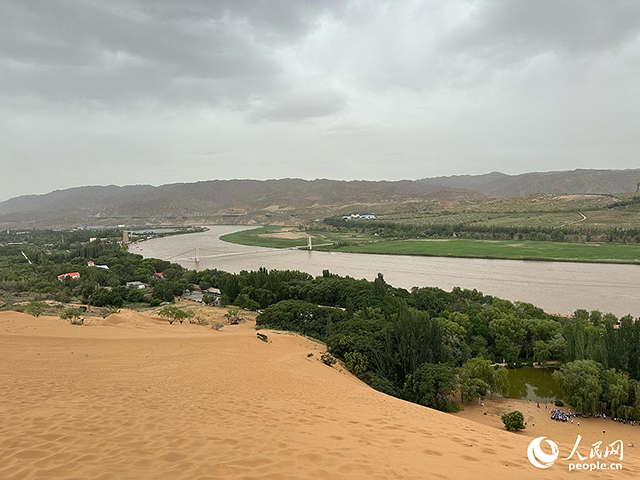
{"x": 138, "y": 398}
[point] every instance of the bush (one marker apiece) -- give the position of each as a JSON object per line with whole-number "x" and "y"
{"x": 356, "y": 363}
{"x": 73, "y": 315}
{"x": 217, "y": 325}
{"x": 174, "y": 314}
{"x": 513, "y": 421}
{"x": 328, "y": 359}
{"x": 209, "y": 299}
{"x": 559, "y": 403}
{"x": 453, "y": 407}
{"x": 262, "y": 337}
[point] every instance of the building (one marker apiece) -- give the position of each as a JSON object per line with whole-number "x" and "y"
{"x": 69, "y": 275}
{"x": 91, "y": 263}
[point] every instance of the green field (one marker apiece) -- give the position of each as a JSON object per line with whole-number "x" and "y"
{"x": 504, "y": 249}
{"x": 523, "y": 250}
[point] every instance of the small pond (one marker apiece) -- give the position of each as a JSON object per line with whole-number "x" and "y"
{"x": 535, "y": 384}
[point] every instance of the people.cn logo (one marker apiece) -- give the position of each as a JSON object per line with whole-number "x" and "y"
{"x": 537, "y": 457}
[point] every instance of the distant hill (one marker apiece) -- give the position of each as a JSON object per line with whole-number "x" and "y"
{"x": 497, "y": 184}
{"x": 220, "y": 201}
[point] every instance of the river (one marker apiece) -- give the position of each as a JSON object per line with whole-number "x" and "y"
{"x": 556, "y": 287}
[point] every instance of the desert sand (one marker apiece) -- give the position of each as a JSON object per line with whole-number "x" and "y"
{"x": 133, "y": 397}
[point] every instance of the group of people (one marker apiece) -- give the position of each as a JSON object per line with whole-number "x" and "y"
{"x": 561, "y": 416}
{"x": 626, "y": 422}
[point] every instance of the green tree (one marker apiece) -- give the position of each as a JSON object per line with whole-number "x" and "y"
{"x": 508, "y": 333}
{"x": 431, "y": 385}
{"x": 616, "y": 390}
{"x": 36, "y": 308}
{"x": 582, "y": 384}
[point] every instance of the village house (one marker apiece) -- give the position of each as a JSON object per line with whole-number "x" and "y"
{"x": 68, "y": 275}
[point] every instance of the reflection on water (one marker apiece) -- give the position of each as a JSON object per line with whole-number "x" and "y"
{"x": 535, "y": 384}
{"x": 554, "y": 286}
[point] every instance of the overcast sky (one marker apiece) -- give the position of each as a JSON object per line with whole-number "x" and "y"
{"x": 165, "y": 91}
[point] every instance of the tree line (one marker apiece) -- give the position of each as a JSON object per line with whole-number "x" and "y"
{"x": 389, "y": 229}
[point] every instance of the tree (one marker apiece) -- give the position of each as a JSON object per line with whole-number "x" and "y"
{"x": 582, "y": 384}
{"x": 500, "y": 384}
{"x": 616, "y": 391}
{"x": 478, "y": 373}
{"x": 513, "y": 421}
{"x": 508, "y": 333}
{"x": 36, "y": 308}
{"x": 431, "y": 385}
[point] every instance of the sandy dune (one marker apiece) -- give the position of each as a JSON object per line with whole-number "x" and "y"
{"x": 138, "y": 398}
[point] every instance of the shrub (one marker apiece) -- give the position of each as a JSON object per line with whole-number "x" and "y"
{"x": 453, "y": 407}
{"x": 73, "y": 315}
{"x": 328, "y": 359}
{"x": 202, "y": 321}
{"x": 209, "y": 299}
{"x": 356, "y": 363}
{"x": 217, "y": 325}
{"x": 175, "y": 314}
{"x": 513, "y": 421}
{"x": 559, "y": 403}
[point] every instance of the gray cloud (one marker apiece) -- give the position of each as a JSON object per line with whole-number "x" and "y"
{"x": 125, "y": 91}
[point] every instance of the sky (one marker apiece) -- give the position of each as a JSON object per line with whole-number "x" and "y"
{"x": 165, "y": 91}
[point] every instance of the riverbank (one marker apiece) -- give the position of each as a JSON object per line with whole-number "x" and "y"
{"x": 134, "y": 397}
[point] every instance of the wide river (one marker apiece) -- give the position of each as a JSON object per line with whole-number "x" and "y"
{"x": 554, "y": 286}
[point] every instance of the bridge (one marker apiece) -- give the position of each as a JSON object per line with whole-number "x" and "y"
{"x": 195, "y": 254}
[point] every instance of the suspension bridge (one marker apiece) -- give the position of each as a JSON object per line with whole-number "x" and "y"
{"x": 195, "y": 254}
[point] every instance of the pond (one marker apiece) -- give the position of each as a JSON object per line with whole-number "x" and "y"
{"x": 535, "y": 384}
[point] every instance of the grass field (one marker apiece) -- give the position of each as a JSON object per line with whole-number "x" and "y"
{"x": 525, "y": 250}
{"x": 274, "y": 237}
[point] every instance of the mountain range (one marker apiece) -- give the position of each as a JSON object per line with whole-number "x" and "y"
{"x": 288, "y": 200}
{"x": 580, "y": 181}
